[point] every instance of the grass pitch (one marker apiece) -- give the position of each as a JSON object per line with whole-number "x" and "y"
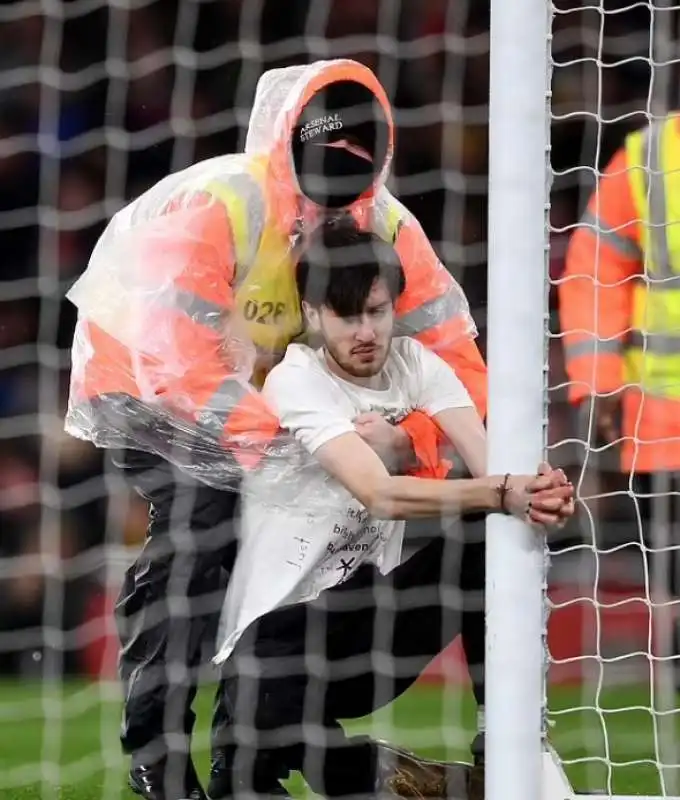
{"x": 60, "y": 742}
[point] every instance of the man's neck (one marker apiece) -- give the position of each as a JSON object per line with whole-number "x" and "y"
{"x": 375, "y": 382}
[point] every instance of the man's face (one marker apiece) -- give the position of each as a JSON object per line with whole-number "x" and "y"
{"x": 360, "y": 345}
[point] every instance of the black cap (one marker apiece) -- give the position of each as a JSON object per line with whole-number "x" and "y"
{"x": 335, "y": 176}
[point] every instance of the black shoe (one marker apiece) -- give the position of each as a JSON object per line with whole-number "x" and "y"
{"x": 223, "y": 784}
{"x": 477, "y": 747}
{"x": 153, "y": 782}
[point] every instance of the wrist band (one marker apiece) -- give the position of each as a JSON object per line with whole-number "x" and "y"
{"x": 503, "y": 490}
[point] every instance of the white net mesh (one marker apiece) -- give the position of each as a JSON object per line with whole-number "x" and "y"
{"x": 99, "y": 101}
{"x": 614, "y": 627}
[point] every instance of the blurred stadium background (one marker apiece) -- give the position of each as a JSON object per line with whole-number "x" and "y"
{"x": 100, "y": 99}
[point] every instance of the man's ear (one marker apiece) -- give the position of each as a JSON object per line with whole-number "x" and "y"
{"x": 311, "y": 317}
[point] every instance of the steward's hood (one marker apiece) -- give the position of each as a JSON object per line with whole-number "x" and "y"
{"x": 326, "y": 132}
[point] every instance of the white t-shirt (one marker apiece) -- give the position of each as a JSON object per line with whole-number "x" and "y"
{"x": 302, "y": 532}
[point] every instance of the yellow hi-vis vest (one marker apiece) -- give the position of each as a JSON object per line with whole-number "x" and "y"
{"x": 266, "y": 295}
{"x": 652, "y": 357}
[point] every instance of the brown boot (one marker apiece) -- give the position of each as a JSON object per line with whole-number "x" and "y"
{"x": 404, "y": 774}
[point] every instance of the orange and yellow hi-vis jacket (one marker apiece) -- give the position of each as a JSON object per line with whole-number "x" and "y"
{"x": 620, "y": 296}
{"x": 190, "y": 297}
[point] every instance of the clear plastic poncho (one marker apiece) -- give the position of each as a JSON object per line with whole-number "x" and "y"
{"x": 189, "y": 298}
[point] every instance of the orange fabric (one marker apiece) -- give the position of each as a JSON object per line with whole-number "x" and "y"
{"x": 204, "y": 250}
{"x": 426, "y": 280}
{"x": 111, "y": 372}
{"x": 653, "y": 445}
{"x": 193, "y": 365}
{"x": 250, "y": 426}
{"x": 595, "y": 295}
{"x": 589, "y": 375}
{"x": 463, "y": 355}
{"x": 206, "y": 246}
{"x": 255, "y": 425}
{"x": 208, "y": 254}
{"x": 425, "y": 434}
{"x": 108, "y": 371}
{"x": 595, "y": 300}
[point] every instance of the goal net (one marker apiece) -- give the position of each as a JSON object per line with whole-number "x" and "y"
{"x": 100, "y": 100}
{"x": 613, "y": 592}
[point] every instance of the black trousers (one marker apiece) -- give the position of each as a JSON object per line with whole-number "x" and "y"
{"x": 172, "y": 595}
{"x": 299, "y": 670}
{"x": 170, "y": 601}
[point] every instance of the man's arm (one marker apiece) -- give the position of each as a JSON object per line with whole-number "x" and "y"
{"x": 359, "y": 469}
{"x": 464, "y": 429}
{"x": 185, "y": 357}
{"x": 314, "y": 412}
{"x": 354, "y": 464}
{"x": 440, "y": 389}
{"x": 446, "y": 400}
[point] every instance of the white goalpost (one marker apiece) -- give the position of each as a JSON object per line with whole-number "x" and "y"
{"x": 515, "y": 572}
{"x": 521, "y": 761}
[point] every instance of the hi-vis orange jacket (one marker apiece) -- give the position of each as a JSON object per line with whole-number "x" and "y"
{"x": 189, "y": 296}
{"x": 620, "y": 299}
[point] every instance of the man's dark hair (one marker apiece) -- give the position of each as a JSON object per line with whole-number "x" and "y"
{"x": 340, "y": 264}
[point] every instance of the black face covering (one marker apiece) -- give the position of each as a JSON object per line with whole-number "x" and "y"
{"x": 334, "y": 176}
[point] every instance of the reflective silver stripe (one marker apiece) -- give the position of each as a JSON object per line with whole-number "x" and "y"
{"x": 592, "y": 347}
{"x": 379, "y": 224}
{"x": 622, "y": 244}
{"x": 388, "y": 216}
{"x": 216, "y": 411}
{"x": 660, "y": 344}
{"x": 654, "y": 183}
{"x": 201, "y": 311}
{"x": 249, "y": 194}
{"x": 429, "y": 314}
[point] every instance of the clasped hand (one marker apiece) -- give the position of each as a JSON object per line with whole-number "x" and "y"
{"x": 546, "y": 498}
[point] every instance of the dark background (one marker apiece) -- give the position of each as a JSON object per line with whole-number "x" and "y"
{"x": 98, "y": 103}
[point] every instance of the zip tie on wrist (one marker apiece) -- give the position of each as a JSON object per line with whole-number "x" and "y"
{"x": 503, "y": 490}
